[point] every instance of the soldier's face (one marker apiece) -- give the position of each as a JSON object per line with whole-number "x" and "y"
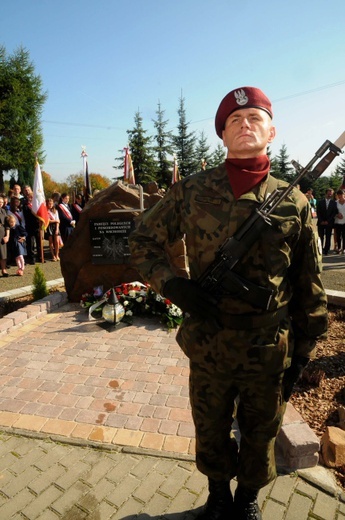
{"x": 247, "y": 133}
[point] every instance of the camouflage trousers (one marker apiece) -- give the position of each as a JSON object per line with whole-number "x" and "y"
{"x": 246, "y": 366}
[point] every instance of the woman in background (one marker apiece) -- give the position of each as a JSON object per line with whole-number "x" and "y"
{"x": 67, "y": 222}
{"x": 52, "y": 233}
{"x": 17, "y": 243}
{"x": 4, "y": 237}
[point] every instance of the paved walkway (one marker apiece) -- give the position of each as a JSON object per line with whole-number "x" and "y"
{"x": 46, "y": 480}
{"x": 96, "y": 424}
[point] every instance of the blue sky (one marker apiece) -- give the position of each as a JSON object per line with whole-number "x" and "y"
{"x": 101, "y": 61}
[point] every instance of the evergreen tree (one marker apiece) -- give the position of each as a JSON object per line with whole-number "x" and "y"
{"x": 274, "y": 169}
{"x": 320, "y": 186}
{"x": 21, "y": 105}
{"x": 218, "y": 156}
{"x": 184, "y": 144}
{"x": 341, "y": 167}
{"x": 202, "y": 152}
{"x": 141, "y": 152}
{"x": 162, "y": 149}
{"x": 40, "y": 289}
{"x": 336, "y": 179}
{"x": 281, "y": 166}
{"x": 340, "y": 170}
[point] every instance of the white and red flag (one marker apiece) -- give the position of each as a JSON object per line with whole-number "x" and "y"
{"x": 175, "y": 174}
{"x": 39, "y": 201}
{"x": 128, "y": 174}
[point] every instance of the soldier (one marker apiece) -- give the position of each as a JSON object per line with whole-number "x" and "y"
{"x": 235, "y": 348}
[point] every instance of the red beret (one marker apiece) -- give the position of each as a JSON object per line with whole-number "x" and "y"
{"x": 243, "y": 97}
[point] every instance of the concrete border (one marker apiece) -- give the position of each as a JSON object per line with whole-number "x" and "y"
{"x": 25, "y": 291}
{"x": 336, "y": 297}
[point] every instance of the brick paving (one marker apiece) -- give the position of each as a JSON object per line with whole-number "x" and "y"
{"x": 96, "y": 424}
{"x": 46, "y": 480}
{"x": 68, "y": 376}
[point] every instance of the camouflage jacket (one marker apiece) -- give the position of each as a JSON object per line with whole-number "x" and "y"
{"x": 202, "y": 209}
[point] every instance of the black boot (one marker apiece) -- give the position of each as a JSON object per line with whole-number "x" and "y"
{"x": 246, "y": 504}
{"x": 219, "y": 503}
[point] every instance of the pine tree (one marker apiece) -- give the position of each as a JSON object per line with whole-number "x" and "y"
{"x": 336, "y": 179}
{"x": 202, "y": 152}
{"x": 340, "y": 170}
{"x": 141, "y": 152}
{"x": 22, "y": 101}
{"x": 162, "y": 149}
{"x": 184, "y": 144}
{"x": 281, "y": 165}
{"x": 218, "y": 156}
{"x": 274, "y": 169}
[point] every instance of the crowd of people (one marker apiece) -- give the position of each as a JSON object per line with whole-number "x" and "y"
{"x": 330, "y": 214}
{"x": 21, "y": 231}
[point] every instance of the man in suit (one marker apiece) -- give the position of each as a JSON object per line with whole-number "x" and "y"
{"x": 326, "y": 210}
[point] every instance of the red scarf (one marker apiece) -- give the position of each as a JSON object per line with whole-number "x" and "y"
{"x": 244, "y": 174}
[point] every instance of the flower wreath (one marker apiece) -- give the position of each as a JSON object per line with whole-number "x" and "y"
{"x": 124, "y": 301}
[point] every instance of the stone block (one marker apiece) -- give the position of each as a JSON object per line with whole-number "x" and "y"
{"x": 79, "y": 272}
{"x": 302, "y": 462}
{"x": 292, "y": 415}
{"x": 298, "y": 445}
{"x": 333, "y": 447}
{"x": 45, "y": 303}
{"x": 6, "y": 324}
{"x": 56, "y": 299}
{"x": 33, "y": 310}
{"x": 18, "y": 317}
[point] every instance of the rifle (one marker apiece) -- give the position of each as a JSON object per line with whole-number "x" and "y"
{"x": 219, "y": 277}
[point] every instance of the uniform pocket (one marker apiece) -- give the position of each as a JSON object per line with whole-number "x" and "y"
{"x": 196, "y": 337}
{"x": 277, "y": 244}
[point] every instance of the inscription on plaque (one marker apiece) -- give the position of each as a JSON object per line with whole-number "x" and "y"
{"x": 109, "y": 240}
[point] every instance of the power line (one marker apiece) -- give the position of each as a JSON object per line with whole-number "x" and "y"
{"x": 305, "y": 92}
{"x": 297, "y": 94}
{"x": 81, "y": 124}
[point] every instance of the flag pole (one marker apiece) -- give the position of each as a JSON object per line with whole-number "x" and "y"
{"x": 125, "y": 166}
{"x": 87, "y": 186}
{"x": 41, "y": 241}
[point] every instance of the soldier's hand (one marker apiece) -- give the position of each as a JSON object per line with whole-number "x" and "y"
{"x": 292, "y": 374}
{"x": 191, "y": 298}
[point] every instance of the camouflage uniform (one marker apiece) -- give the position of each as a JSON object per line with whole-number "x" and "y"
{"x": 248, "y": 356}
